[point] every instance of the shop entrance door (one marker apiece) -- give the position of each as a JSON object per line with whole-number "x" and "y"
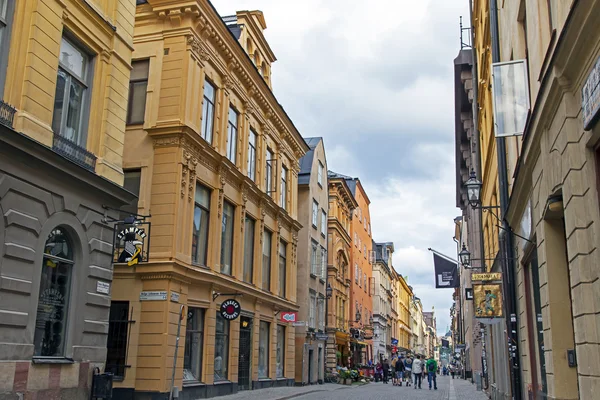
{"x": 244, "y": 360}
{"x": 310, "y": 366}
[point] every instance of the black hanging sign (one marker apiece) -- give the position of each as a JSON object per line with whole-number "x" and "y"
{"x": 446, "y": 272}
{"x": 131, "y": 242}
{"x": 230, "y": 309}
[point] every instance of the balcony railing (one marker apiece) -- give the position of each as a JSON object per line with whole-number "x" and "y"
{"x": 74, "y": 152}
{"x": 7, "y": 114}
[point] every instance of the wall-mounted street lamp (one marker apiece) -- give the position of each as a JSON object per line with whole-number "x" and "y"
{"x": 328, "y": 291}
{"x": 357, "y": 316}
{"x": 465, "y": 256}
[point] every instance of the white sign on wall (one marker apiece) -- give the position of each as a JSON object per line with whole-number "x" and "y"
{"x": 148, "y": 296}
{"x": 102, "y": 287}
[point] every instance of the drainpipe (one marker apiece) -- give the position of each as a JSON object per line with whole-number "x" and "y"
{"x": 507, "y": 244}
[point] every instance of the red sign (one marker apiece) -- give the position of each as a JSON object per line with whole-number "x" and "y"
{"x": 394, "y": 349}
{"x": 289, "y": 316}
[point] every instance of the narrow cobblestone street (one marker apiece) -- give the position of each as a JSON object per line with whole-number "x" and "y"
{"x": 448, "y": 389}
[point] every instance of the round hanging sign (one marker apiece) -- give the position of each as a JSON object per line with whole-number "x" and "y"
{"x": 230, "y": 309}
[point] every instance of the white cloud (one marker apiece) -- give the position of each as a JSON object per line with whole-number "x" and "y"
{"x": 375, "y": 79}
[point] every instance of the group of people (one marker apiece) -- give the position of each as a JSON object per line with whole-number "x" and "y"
{"x": 409, "y": 370}
{"x": 452, "y": 369}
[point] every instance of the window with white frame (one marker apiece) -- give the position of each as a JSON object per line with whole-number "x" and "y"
{"x": 284, "y": 187}
{"x": 312, "y": 311}
{"x": 314, "y": 259}
{"x": 270, "y": 161}
{"x": 208, "y": 111}
{"x": 252, "y": 155}
{"x": 321, "y": 307}
{"x": 232, "y": 134}
{"x": 315, "y": 213}
{"x": 320, "y": 173}
{"x": 356, "y": 273}
{"x": 71, "y": 99}
{"x": 323, "y": 263}
{"x": 323, "y": 222}
{"x": 6, "y": 12}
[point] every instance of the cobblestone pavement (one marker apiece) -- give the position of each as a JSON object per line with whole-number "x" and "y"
{"x": 448, "y": 389}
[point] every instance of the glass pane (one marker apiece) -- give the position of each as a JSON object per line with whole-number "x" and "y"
{"x": 263, "y": 350}
{"x": 227, "y": 238}
{"x": 202, "y": 196}
{"x": 221, "y": 347}
{"x": 511, "y": 98}
{"x": 249, "y": 249}
{"x": 266, "y": 263}
{"x": 131, "y": 182}
{"x": 53, "y": 303}
{"x": 72, "y": 127}
{"x": 137, "y": 105}
{"x": 194, "y": 337}
{"x": 139, "y": 70}
{"x": 209, "y": 91}
{"x": 3, "y": 8}
{"x": 280, "y": 357}
{"x": 58, "y": 245}
{"x": 200, "y": 236}
{"x": 59, "y": 100}
{"x": 73, "y": 58}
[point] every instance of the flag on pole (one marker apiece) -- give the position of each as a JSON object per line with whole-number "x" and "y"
{"x": 446, "y": 272}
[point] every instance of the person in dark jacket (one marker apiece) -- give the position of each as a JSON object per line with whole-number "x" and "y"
{"x": 386, "y": 370}
{"x": 399, "y": 371}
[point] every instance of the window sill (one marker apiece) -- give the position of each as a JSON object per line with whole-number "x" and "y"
{"x": 191, "y": 383}
{"x": 52, "y": 360}
{"x": 313, "y": 275}
{"x": 323, "y": 235}
{"x": 222, "y": 382}
{"x": 265, "y": 379}
{"x": 314, "y": 226}
{"x": 322, "y": 280}
{"x": 281, "y": 378}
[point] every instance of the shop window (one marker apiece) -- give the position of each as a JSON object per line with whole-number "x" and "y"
{"x": 71, "y": 99}
{"x": 53, "y": 301}
{"x": 138, "y": 86}
{"x": 221, "y": 348}
{"x": 118, "y": 334}
{"x": 227, "y": 237}
{"x": 280, "y": 356}
{"x": 263, "y": 350}
{"x": 266, "y": 260}
{"x": 201, "y": 222}
{"x": 208, "y": 111}
{"x": 232, "y": 135}
{"x": 194, "y": 345}
{"x": 249, "y": 249}
{"x": 282, "y": 268}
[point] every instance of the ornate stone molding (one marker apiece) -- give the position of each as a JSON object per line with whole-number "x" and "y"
{"x": 168, "y": 141}
{"x": 198, "y": 48}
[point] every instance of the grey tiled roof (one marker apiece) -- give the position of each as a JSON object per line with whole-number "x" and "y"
{"x": 231, "y": 22}
{"x": 306, "y": 162}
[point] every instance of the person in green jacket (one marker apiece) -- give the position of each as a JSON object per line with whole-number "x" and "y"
{"x": 431, "y": 368}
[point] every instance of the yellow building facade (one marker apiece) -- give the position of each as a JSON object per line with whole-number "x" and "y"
{"x": 215, "y": 160}
{"x": 405, "y": 296}
{"x": 64, "y": 72}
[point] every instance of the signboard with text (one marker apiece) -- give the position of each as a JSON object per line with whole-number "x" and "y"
{"x": 490, "y": 276}
{"x": 131, "y": 243}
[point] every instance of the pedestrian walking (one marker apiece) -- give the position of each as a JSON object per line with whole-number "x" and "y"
{"x": 386, "y": 370}
{"x": 431, "y": 368}
{"x": 408, "y": 370}
{"x": 417, "y": 368}
{"x": 399, "y": 371}
{"x": 452, "y": 370}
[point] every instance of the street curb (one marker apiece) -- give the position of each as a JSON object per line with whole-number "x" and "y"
{"x": 312, "y": 391}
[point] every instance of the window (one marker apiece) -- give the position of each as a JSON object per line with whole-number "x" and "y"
{"x": 283, "y": 195}
{"x": 221, "y": 347}
{"x": 365, "y": 250}
{"x": 266, "y": 260}
{"x": 323, "y": 263}
{"x": 355, "y": 273}
{"x": 194, "y": 345}
{"x": 227, "y": 238}
{"x": 355, "y": 239}
{"x": 131, "y": 183}
{"x": 311, "y": 311}
{"x": 269, "y": 171}
{"x": 323, "y": 222}
{"x": 280, "y": 356}
{"x": 314, "y": 259}
{"x": 252, "y": 155}
{"x": 315, "y": 213}
{"x": 53, "y": 301}
{"x": 208, "y": 111}
{"x": 263, "y": 350}
{"x": 282, "y": 267}
{"x": 71, "y": 97}
{"x": 320, "y": 174}
{"x": 232, "y": 134}
{"x": 369, "y": 228}
{"x": 6, "y": 12}
{"x": 359, "y": 278}
{"x": 201, "y": 222}
{"x": 116, "y": 344}
{"x": 365, "y": 223}
{"x": 249, "y": 249}
{"x": 321, "y": 312}
{"x": 365, "y": 282}
{"x": 138, "y": 85}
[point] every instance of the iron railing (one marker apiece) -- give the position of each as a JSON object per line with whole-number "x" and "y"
{"x": 74, "y": 152}
{"x": 7, "y": 114}
{"x": 465, "y": 41}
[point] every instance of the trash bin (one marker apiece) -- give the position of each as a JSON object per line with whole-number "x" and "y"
{"x": 102, "y": 385}
{"x": 478, "y": 380}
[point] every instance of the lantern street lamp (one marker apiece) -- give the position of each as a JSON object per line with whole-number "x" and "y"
{"x": 465, "y": 256}
{"x": 329, "y": 291}
{"x": 473, "y": 186}
{"x": 357, "y": 316}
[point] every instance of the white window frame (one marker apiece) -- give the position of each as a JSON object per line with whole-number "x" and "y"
{"x": 232, "y": 134}
{"x": 320, "y": 174}
{"x": 315, "y": 214}
{"x": 323, "y": 222}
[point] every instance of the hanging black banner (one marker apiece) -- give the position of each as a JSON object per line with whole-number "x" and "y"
{"x": 446, "y": 272}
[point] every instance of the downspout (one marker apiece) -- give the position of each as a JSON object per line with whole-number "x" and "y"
{"x": 507, "y": 249}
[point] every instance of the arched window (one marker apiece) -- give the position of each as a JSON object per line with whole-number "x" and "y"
{"x": 249, "y": 46}
{"x": 263, "y": 69}
{"x": 53, "y": 301}
{"x": 256, "y": 57}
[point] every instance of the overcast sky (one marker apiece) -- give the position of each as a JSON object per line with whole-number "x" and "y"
{"x": 374, "y": 78}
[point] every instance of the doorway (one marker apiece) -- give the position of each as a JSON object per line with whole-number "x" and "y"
{"x": 310, "y": 365}
{"x": 320, "y": 364}
{"x": 244, "y": 356}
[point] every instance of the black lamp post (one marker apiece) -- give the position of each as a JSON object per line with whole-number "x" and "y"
{"x": 473, "y": 186}
{"x": 464, "y": 256}
{"x": 329, "y": 291}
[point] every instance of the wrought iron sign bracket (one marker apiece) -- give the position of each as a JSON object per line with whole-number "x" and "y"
{"x": 217, "y": 294}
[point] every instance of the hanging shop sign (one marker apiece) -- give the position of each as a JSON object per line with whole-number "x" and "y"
{"x": 590, "y": 97}
{"x": 490, "y": 276}
{"x": 469, "y": 293}
{"x": 131, "y": 243}
{"x": 394, "y": 342}
{"x": 288, "y": 316}
{"x": 446, "y": 272}
{"x": 487, "y": 300}
{"x": 230, "y": 309}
